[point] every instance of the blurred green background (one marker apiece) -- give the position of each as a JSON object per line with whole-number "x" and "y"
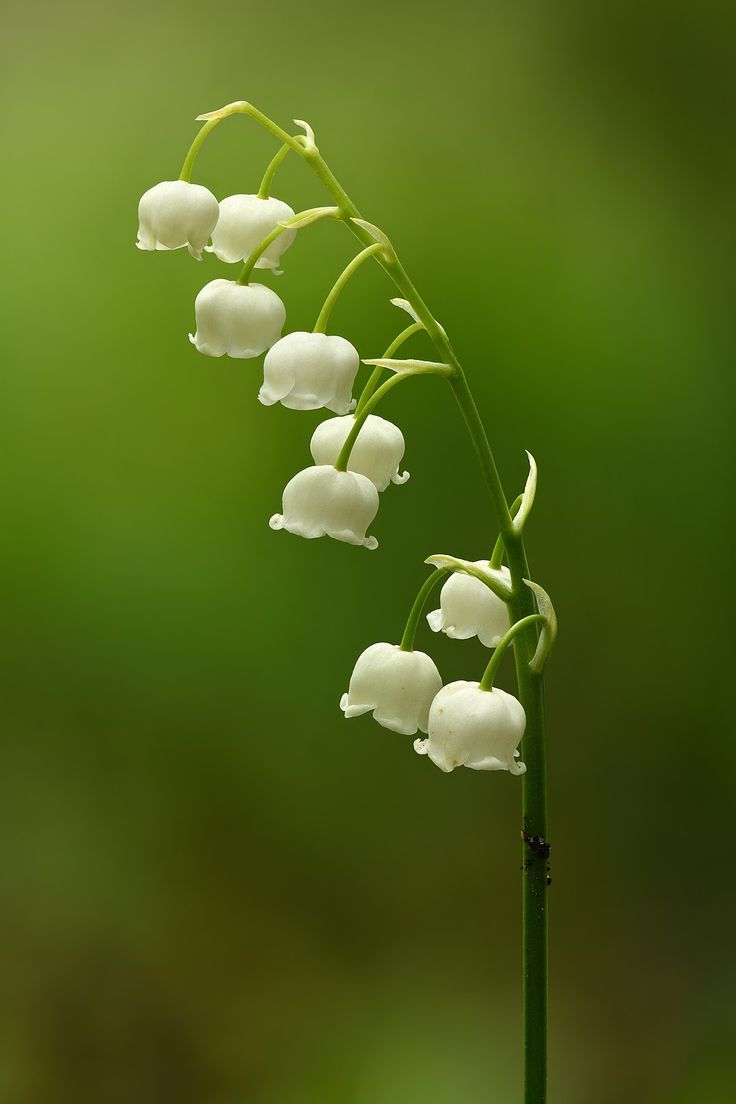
{"x": 214, "y": 890}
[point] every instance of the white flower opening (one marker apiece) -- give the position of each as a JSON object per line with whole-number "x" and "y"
{"x": 377, "y": 452}
{"x": 470, "y": 727}
{"x": 306, "y": 371}
{"x": 245, "y": 220}
{"x": 469, "y": 608}
{"x": 397, "y": 686}
{"x": 322, "y": 501}
{"x": 174, "y": 214}
{"x": 242, "y": 320}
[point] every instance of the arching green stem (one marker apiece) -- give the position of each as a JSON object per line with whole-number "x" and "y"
{"x": 344, "y": 457}
{"x": 430, "y": 370}
{"x": 265, "y": 189}
{"x": 375, "y": 377}
{"x": 315, "y": 213}
{"x": 531, "y": 688}
{"x": 499, "y": 547}
{"x": 204, "y": 130}
{"x": 486, "y": 683}
{"x": 410, "y": 632}
{"x": 320, "y": 325}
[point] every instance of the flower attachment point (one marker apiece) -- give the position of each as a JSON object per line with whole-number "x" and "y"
{"x": 242, "y": 320}
{"x": 307, "y": 371}
{"x": 322, "y": 501}
{"x": 377, "y": 452}
{"x": 468, "y": 607}
{"x": 245, "y": 220}
{"x": 470, "y": 727}
{"x": 378, "y": 236}
{"x": 397, "y": 686}
{"x": 174, "y": 214}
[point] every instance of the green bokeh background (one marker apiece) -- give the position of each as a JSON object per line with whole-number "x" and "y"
{"x": 213, "y": 890}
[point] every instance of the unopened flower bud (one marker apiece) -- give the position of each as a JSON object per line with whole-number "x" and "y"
{"x": 306, "y": 371}
{"x": 241, "y": 320}
{"x": 174, "y": 214}
{"x": 469, "y": 608}
{"x": 397, "y": 686}
{"x": 377, "y": 452}
{"x": 245, "y": 220}
{"x": 470, "y": 727}
{"x": 322, "y": 501}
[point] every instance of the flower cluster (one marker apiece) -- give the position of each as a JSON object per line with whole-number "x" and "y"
{"x": 356, "y": 455}
{"x": 467, "y": 724}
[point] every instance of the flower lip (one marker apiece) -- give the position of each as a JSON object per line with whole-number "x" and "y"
{"x": 244, "y": 221}
{"x": 377, "y": 452}
{"x": 306, "y": 371}
{"x": 321, "y": 501}
{"x": 174, "y": 214}
{"x": 475, "y": 728}
{"x": 240, "y": 320}
{"x": 469, "y": 608}
{"x": 396, "y": 686}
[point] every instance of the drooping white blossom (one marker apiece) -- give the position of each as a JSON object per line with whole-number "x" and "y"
{"x": 469, "y": 608}
{"x": 306, "y": 371}
{"x": 174, "y": 214}
{"x": 241, "y": 320}
{"x": 377, "y": 452}
{"x": 397, "y": 686}
{"x": 470, "y": 727}
{"x": 245, "y": 220}
{"x": 322, "y": 501}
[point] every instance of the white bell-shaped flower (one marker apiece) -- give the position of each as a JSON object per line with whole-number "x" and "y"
{"x": 398, "y": 686}
{"x": 306, "y": 371}
{"x": 241, "y": 320}
{"x": 176, "y": 213}
{"x": 469, "y": 608}
{"x": 322, "y": 501}
{"x": 470, "y": 727}
{"x": 377, "y": 452}
{"x": 245, "y": 220}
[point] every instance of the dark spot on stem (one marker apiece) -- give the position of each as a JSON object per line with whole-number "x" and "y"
{"x": 539, "y": 846}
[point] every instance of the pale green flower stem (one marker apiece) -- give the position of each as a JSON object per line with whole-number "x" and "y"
{"x": 202, "y": 133}
{"x": 260, "y": 249}
{"x": 265, "y": 189}
{"x": 521, "y": 606}
{"x": 320, "y": 325}
{"x": 375, "y": 377}
{"x": 341, "y": 464}
{"x": 410, "y": 632}
{"x": 486, "y": 683}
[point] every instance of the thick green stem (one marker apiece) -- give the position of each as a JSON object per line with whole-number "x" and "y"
{"x": 265, "y": 189}
{"x": 320, "y": 325}
{"x": 499, "y": 547}
{"x": 530, "y": 684}
{"x": 410, "y": 632}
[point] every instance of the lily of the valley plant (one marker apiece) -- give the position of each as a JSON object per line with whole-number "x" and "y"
{"x": 357, "y": 455}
